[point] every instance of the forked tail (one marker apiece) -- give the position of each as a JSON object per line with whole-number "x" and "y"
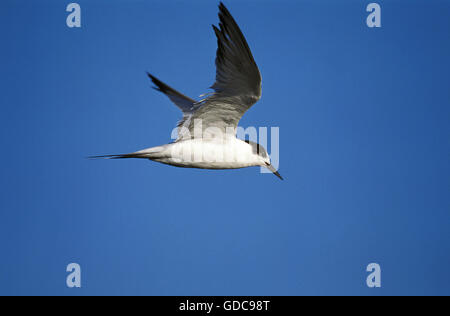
{"x": 119, "y": 156}
{"x": 149, "y": 153}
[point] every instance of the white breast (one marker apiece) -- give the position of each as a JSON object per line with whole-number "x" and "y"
{"x": 230, "y": 153}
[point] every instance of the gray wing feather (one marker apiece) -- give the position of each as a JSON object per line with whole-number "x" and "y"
{"x": 183, "y": 102}
{"x": 236, "y": 71}
{"x": 238, "y": 80}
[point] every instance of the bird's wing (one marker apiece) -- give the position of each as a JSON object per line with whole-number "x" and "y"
{"x": 184, "y": 103}
{"x": 237, "y": 74}
{"x": 238, "y": 81}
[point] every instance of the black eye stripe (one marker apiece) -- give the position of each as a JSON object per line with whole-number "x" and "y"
{"x": 257, "y": 148}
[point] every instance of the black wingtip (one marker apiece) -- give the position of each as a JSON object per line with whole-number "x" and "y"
{"x": 158, "y": 83}
{"x": 223, "y": 9}
{"x": 152, "y": 78}
{"x": 216, "y": 31}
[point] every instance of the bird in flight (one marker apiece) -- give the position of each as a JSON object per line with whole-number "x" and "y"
{"x": 207, "y": 131}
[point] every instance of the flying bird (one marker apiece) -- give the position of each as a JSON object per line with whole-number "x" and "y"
{"x": 207, "y": 131}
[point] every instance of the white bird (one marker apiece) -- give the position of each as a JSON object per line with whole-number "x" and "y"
{"x": 207, "y": 132}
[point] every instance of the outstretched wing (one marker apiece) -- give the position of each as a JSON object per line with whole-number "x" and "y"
{"x": 183, "y": 102}
{"x": 236, "y": 71}
{"x": 238, "y": 81}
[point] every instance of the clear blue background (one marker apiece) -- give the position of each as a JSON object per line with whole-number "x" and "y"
{"x": 364, "y": 131}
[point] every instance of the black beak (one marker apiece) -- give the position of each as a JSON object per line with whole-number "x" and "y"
{"x": 275, "y": 172}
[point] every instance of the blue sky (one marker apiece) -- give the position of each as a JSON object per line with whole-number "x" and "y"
{"x": 364, "y": 148}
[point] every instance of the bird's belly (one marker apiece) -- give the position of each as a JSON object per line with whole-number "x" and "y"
{"x": 208, "y": 155}
{"x": 203, "y": 164}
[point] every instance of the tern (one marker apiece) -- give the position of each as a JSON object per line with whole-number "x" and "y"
{"x": 207, "y": 131}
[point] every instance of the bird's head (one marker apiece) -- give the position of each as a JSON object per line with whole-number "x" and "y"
{"x": 263, "y": 157}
